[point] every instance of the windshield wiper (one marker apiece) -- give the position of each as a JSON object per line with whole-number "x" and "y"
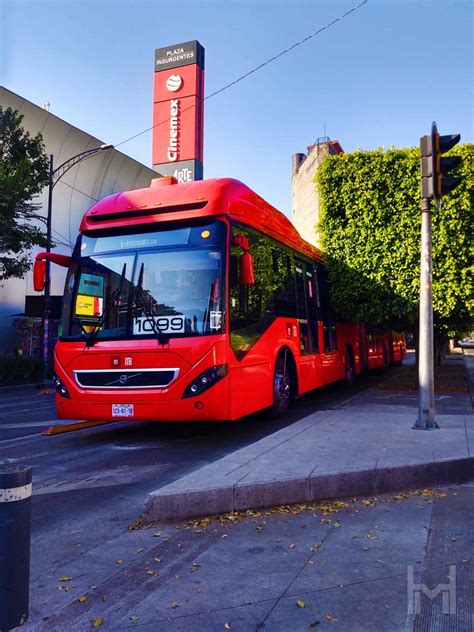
{"x": 92, "y": 337}
{"x": 139, "y": 294}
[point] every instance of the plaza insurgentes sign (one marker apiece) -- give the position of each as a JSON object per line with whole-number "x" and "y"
{"x": 178, "y": 113}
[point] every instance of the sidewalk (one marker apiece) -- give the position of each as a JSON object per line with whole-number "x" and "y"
{"x": 366, "y": 447}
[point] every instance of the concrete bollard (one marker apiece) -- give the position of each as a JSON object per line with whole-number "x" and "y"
{"x": 15, "y": 536}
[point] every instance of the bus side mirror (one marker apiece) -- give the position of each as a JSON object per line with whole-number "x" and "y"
{"x": 246, "y": 270}
{"x": 39, "y": 275}
{"x": 39, "y": 269}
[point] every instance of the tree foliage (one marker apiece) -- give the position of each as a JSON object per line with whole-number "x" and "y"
{"x": 370, "y": 229}
{"x": 24, "y": 172}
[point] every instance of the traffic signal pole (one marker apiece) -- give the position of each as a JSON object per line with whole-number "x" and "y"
{"x": 426, "y": 419}
{"x": 434, "y": 184}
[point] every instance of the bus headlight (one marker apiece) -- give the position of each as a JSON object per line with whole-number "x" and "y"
{"x": 60, "y": 388}
{"x": 205, "y": 380}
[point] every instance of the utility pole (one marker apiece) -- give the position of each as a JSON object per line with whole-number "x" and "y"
{"x": 433, "y": 187}
{"x": 54, "y": 176}
{"x": 47, "y": 283}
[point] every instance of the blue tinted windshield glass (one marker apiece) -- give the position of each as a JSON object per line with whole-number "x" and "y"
{"x": 130, "y": 285}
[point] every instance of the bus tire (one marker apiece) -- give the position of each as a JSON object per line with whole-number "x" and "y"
{"x": 349, "y": 371}
{"x": 282, "y": 384}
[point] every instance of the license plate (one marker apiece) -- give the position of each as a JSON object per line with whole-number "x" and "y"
{"x": 122, "y": 410}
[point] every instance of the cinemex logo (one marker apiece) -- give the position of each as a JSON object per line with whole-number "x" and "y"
{"x": 174, "y": 83}
{"x": 173, "y": 145}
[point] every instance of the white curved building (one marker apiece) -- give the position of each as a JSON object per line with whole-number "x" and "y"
{"x": 90, "y": 180}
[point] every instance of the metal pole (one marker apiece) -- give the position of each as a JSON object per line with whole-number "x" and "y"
{"x": 15, "y": 538}
{"x": 425, "y": 419}
{"x": 47, "y": 282}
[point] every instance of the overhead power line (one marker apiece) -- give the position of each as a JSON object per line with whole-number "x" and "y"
{"x": 252, "y": 71}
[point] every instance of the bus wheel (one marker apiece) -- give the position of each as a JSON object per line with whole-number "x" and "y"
{"x": 281, "y": 386}
{"x": 349, "y": 376}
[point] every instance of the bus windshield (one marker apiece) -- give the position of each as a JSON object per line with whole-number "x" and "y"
{"x": 166, "y": 282}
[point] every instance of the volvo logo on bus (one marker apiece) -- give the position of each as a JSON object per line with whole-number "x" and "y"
{"x": 174, "y": 83}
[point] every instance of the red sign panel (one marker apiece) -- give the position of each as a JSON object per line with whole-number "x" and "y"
{"x": 177, "y": 107}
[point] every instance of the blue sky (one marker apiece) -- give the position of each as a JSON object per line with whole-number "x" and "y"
{"x": 377, "y": 78}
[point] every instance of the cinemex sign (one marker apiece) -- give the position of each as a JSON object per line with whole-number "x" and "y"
{"x": 173, "y": 145}
{"x": 178, "y": 111}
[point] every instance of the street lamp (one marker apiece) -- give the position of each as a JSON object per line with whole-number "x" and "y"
{"x": 54, "y": 176}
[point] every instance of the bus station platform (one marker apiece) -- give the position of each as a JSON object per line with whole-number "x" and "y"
{"x": 364, "y": 447}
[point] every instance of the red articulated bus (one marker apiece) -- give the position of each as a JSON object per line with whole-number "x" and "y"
{"x": 197, "y": 301}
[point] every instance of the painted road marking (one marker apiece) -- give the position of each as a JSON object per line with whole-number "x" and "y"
{"x": 28, "y": 424}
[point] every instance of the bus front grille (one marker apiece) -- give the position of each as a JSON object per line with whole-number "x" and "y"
{"x": 119, "y": 379}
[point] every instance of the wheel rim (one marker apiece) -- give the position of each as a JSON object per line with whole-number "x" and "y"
{"x": 281, "y": 389}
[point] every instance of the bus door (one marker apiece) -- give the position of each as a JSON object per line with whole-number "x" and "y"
{"x": 308, "y": 325}
{"x": 332, "y": 358}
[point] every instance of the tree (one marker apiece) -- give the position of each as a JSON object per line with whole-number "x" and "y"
{"x": 24, "y": 172}
{"x": 370, "y": 230}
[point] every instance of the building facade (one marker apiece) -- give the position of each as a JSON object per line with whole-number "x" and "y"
{"x": 304, "y": 197}
{"x": 90, "y": 180}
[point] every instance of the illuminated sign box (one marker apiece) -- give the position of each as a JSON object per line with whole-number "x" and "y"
{"x": 178, "y": 93}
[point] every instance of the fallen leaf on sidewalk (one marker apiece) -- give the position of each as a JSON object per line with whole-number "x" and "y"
{"x": 157, "y": 534}
{"x": 174, "y": 604}
{"x": 140, "y": 550}
{"x": 453, "y": 539}
{"x": 65, "y": 579}
{"x": 134, "y": 619}
{"x": 157, "y": 559}
{"x": 119, "y": 561}
{"x": 372, "y": 537}
{"x": 329, "y": 617}
{"x": 300, "y": 604}
{"x": 81, "y": 599}
{"x": 96, "y": 623}
{"x": 291, "y": 546}
{"x": 227, "y": 625}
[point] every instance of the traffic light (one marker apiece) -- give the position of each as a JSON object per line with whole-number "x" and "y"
{"x": 434, "y": 183}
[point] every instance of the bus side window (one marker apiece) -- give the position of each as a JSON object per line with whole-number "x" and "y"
{"x": 283, "y": 283}
{"x": 251, "y": 306}
{"x": 328, "y": 318}
{"x": 312, "y": 296}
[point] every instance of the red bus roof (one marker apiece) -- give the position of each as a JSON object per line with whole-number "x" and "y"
{"x": 167, "y": 201}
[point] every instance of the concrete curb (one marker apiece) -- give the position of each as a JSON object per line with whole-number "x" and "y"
{"x": 162, "y": 505}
